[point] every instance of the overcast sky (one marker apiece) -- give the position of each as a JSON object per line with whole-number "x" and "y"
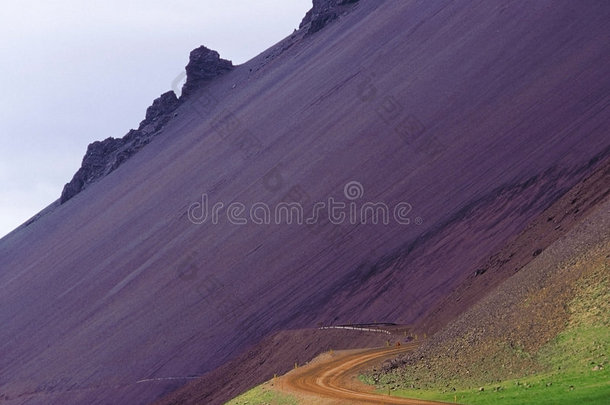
{"x": 72, "y": 72}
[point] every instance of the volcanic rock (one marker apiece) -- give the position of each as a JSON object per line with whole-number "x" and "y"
{"x": 103, "y": 157}
{"x": 204, "y": 65}
{"x": 324, "y": 12}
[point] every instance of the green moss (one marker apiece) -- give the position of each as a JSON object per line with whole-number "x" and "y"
{"x": 551, "y": 389}
{"x": 573, "y": 368}
{"x": 262, "y": 396}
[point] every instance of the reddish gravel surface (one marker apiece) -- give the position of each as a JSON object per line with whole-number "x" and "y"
{"x": 500, "y": 337}
{"x": 275, "y": 355}
{"x": 330, "y": 380}
{"x": 548, "y": 227}
{"x": 480, "y": 115}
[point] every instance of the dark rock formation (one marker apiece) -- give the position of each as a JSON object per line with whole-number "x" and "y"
{"x": 103, "y": 157}
{"x": 324, "y": 12}
{"x": 162, "y": 106}
{"x": 204, "y": 65}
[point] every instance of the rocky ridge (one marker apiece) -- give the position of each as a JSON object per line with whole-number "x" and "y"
{"x": 324, "y": 12}
{"x": 103, "y": 157}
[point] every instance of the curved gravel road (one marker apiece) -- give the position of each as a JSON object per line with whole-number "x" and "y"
{"x": 333, "y": 377}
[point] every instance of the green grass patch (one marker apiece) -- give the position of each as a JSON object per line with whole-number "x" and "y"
{"x": 574, "y": 366}
{"x": 549, "y": 389}
{"x": 262, "y": 396}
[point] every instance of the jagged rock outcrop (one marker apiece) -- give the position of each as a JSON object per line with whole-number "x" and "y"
{"x": 162, "y": 106}
{"x": 102, "y": 157}
{"x": 204, "y": 65}
{"x": 324, "y": 12}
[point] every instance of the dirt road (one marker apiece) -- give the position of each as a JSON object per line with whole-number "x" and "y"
{"x": 334, "y": 377}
